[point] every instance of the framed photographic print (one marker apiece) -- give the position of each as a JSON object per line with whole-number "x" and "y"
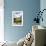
{"x": 17, "y": 18}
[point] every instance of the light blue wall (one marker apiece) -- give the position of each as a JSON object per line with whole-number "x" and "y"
{"x": 29, "y": 7}
{"x": 43, "y": 6}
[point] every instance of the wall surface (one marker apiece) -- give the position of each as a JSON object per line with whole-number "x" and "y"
{"x": 29, "y": 8}
{"x": 43, "y": 6}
